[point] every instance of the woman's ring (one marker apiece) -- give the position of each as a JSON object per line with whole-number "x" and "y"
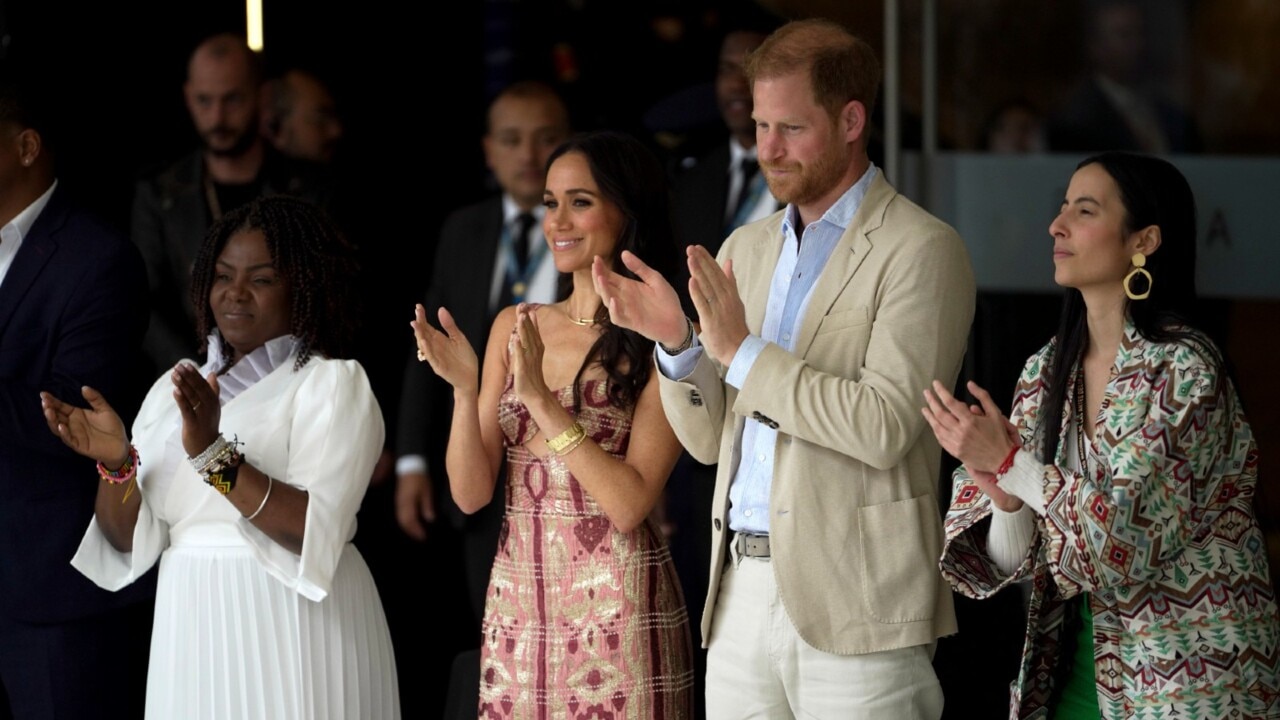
{"x": 195, "y": 405}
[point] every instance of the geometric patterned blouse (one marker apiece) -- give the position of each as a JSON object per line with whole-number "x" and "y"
{"x": 1160, "y": 531}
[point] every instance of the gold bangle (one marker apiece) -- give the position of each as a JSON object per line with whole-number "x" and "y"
{"x": 573, "y": 444}
{"x": 570, "y": 437}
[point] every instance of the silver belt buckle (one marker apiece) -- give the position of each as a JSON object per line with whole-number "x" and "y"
{"x": 748, "y": 545}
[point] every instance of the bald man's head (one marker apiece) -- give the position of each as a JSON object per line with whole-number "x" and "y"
{"x": 222, "y": 95}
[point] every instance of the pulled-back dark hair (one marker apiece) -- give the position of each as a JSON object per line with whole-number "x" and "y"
{"x": 310, "y": 253}
{"x": 1153, "y": 192}
{"x": 631, "y": 178}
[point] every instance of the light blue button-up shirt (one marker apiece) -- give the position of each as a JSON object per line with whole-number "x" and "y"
{"x": 794, "y": 277}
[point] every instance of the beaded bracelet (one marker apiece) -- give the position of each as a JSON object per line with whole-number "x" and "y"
{"x": 223, "y": 477}
{"x": 686, "y": 344}
{"x": 219, "y": 450}
{"x": 219, "y": 463}
{"x": 567, "y": 440}
{"x": 125, "y": 472}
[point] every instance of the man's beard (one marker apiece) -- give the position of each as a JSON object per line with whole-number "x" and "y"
{"x": 243, "y": 143}
{"x": 806, "y": 183}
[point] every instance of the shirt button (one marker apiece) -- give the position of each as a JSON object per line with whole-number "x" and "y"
{"x": 746, "y": 513}
{"x": 786, "y": 336}
{"x": 760, "y": 457}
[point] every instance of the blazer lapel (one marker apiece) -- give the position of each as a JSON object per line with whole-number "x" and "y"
{"x": 767, "y": 246}
{"x": 488, "y": 237}
{"x": 36, "y": 250}
{"x": 850, "y": 251}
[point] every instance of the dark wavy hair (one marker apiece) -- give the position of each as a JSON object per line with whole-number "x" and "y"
{"x": 631, "y": 178}
{"x": 310, "y": 253}
{"x": 1153, "y": 192}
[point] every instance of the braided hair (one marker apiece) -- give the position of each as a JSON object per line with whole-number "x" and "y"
{"x": 310, "y": 253}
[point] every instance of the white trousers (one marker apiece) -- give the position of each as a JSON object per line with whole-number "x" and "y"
{"x": 759, "y": 667}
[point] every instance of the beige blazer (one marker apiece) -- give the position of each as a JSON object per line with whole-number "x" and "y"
{"x": 855, "y": 523}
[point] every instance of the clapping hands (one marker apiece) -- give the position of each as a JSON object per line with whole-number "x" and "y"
{"x": 449, "y": 353}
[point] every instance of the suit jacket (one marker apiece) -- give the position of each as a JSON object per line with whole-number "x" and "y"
{"x": 72, "y": 313}
{"x": 855, "y": 525}
{"x": 461, "y": 278}
{"x": 460, "y": 281}
{"x": 170, "y": 219}
{"x": 698, "y": 199}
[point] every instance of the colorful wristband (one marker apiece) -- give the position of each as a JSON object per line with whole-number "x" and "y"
{"x": 125, "y": 472}
{"x": 1008, "y": 461}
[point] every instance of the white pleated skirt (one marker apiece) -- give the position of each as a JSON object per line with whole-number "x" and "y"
{"x": 231, "y": 642}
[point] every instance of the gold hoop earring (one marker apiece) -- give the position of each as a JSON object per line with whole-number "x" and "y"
{"x": 1139, "y": 261}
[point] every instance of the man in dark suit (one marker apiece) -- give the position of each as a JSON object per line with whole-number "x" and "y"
{"x": 490, "y": 255}
{"x": 72, "y": 313}
{"x": 174, "y": 208}
{"x": 723, "y": 189}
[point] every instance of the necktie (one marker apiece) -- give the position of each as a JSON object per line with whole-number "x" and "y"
{"x": 520, "y": 241}
{"x": 516, "y": 284}
{"x": 749, "y": 168}
{"x": 748, "y": 194}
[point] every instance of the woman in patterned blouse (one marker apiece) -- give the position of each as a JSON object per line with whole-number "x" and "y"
{"x": 1122, "y": 484}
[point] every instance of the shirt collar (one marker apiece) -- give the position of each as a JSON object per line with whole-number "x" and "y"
{"x": 249, "y": 369}
{"x": 510, "y": 211}
{"x": 842, "y": 211}
{"x": 737, "y": 153}
{"x": 22, "y": 222}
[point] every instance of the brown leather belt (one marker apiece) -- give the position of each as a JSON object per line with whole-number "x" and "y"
{"x": 748, "y": 545}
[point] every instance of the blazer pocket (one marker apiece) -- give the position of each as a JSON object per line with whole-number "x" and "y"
{"x": 900, "y": 543}
{"x": 843, "y": 320}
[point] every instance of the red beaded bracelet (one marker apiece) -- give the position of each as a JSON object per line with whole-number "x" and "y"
{"x": 1008, "y": 461}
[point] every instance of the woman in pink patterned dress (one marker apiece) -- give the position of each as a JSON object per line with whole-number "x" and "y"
{"x": 584, "y": 616}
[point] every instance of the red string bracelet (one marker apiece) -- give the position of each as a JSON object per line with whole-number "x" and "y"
{"x": 1008, "y": 461}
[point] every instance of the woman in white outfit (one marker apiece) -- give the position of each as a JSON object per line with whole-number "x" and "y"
{"x": 243, "y": 479}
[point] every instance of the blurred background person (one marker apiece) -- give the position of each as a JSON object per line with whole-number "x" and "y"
{"x": 300, "y": 118}
{"x": 1118, "y": 107}
{"x": 173, "y": 208}
{"x": 489, "y": 255}
{"x": 1015, "y": 127}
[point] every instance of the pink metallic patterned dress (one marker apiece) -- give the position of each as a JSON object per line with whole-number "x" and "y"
{"x": 581, "y": 620}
